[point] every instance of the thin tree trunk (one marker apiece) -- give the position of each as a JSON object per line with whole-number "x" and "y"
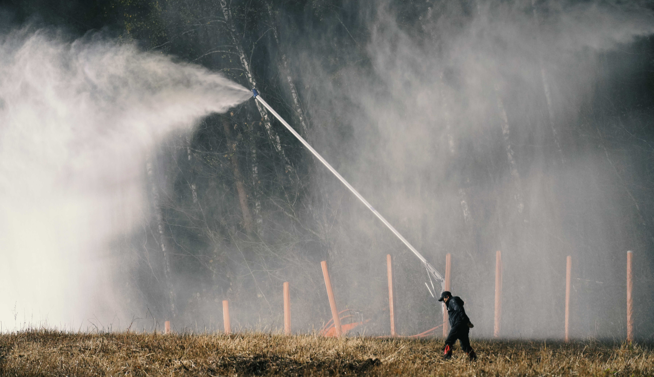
{"x": 189, "y": 155}
{"x": 509, "y": 151}
{"x": 238, "y": 177}
{"x": 272, "y": 135}
{"x": 546, "y": 86}
{"x": 154, "y": 192}
{"x": 254, "y": 172}
{"x": 463, "y": 197}
{"x": 297, "y": 108}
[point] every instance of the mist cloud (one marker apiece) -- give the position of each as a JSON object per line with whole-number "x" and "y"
{"x": 77, "y": 122}
{"x": 471, "y": 117}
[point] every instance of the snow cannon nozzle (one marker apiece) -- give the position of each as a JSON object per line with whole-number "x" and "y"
{"x": 255, "y": 93}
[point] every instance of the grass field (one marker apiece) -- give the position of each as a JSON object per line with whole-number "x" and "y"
{"x": 48, "y": 353}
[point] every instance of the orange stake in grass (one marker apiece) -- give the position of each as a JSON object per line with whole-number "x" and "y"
{"x": 568, "y": 272}
{"x": 389, "y": 268}
{"x": 630, "y": 306}
{"x": 498, "y": 293}
{"x": 287, "y": 309}
{"x": 228, "y": 328}
{"x": 332, "y": 301}
{"x": 167, "y": 327}
{"x": 448, "y": 267}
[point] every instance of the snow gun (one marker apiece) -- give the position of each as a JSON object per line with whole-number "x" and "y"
{"x": 431, "y": 271}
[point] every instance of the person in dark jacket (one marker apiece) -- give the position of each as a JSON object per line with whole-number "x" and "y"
{"x": 460, "y": 326}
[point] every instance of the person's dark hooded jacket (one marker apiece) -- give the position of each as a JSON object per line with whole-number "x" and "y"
{"x": 456, "y": 313}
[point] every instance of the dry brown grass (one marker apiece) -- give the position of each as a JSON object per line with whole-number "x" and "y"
{"x": 48, "y": 353}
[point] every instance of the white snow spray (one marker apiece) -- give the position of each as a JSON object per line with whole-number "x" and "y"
{"x": 468, "y": 127}
{"x": 77, "y": 120}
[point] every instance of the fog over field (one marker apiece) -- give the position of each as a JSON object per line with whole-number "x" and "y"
{"x": 139, "y": 182}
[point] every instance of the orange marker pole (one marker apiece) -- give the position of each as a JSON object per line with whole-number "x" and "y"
{"x": 332, "y": 301}
{"x": 228, "y": 328}
{"x": 498, "y": 292}
{"x": 630, "y": 307}
{"x": 287, "y": 309}
{"x": 167, "y": 327}
{"x": 568, "y": 272}
{"x": 448, "y": 268}
{"x": 389, "y": 268}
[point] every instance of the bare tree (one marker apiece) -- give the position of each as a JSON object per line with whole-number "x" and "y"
{"x": 272, "y": 135}
{"x": 546, "y": 85}
{"x": 297, "y": 108}
{"x": 513, "y": 167}
{"x": 159, "y": 234}
{"x": 238, "y": 177}
{"x": 189, "y": 156}
{"x": 445, "y": 106}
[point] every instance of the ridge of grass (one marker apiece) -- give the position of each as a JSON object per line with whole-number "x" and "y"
{"x": 52, "y": 353}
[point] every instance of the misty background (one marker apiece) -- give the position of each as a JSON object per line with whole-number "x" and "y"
{"x": 139, "y": 183}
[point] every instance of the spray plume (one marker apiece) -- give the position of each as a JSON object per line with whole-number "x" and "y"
{"x": 78, "y": 121}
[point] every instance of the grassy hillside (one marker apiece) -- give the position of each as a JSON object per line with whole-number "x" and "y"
{"x": 46, "y": 353}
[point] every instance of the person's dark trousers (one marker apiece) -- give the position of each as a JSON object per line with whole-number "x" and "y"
{"x": 460, "y": 333}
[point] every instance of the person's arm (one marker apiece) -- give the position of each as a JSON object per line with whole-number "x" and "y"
{"x": 465, "y": 315}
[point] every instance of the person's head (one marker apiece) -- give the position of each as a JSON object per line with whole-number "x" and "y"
{"x": 445, "y": 296}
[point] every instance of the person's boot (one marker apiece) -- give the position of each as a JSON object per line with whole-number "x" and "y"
{"x": 447, "y": 352}
{"x": 472, "y": 356}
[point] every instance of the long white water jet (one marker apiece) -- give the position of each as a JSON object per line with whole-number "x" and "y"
{"x": 430, "y": 269}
